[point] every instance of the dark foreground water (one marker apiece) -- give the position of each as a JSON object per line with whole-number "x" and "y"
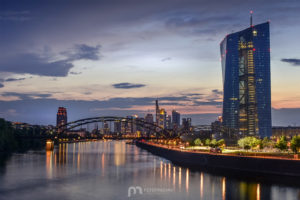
{"x": 114, "y": 170}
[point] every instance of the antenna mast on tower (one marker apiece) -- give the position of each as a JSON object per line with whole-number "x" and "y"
{"x": 251, "y": 18}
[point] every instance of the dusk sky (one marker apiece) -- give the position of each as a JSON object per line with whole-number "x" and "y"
{"x": 116, "y": 57}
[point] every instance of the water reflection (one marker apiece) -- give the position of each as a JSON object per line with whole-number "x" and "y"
{"x": 106, "y": 169}
{"x": 201, "y": 185}
{"x": 119, "y": 151}
{"x": 49, "y": 164}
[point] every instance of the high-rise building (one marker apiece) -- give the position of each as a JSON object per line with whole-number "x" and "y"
{"x": 117, "y": 126}
{"x": 245, "y": 61}
{"x": 105, "y": 128}
{"x": 61, "y": 118}
{"x": 175, "y": 119}
{"x": 162, "y": 118}
{"x": 168, "y": 122}
{"x": 156, "y": 111}
{"x": 149, "y": 118}
{"x": 186, "y": 124}
{"x": 189, "y": 121}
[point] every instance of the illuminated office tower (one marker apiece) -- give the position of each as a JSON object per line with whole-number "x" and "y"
{"x": 175, "y": 119}
{"x": 245, "y": 57}
{"x": 61, "y": 117}
{"x": 162, "y": 118}
{"x": 168, "y": 122}
{"x": 156, "y": 112}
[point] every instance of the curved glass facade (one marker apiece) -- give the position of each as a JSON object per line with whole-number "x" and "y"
{"x": 245, "y": 58}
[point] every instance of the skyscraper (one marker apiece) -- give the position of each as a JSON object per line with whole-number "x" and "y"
{"x": 175, "y": 119}
{"x": 245, "y": 61}
{"x": 168, "y": 122}
{"x": 156, "y": 111}
{"x": 149, "y": 118}
{"x": 162, "y": 118}
{"x": 61, "y": 117}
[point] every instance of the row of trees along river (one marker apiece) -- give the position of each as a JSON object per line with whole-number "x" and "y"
{"x": 20, "y": 140}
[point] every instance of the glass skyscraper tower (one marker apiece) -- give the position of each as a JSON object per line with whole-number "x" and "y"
{"x": 245, "y": 57}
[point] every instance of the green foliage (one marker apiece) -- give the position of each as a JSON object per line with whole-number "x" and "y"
{"x": 266, "y": 142}
{"x": 213, "y": 143}
{"x": 7, "y": 137}
{"x": 197, "y": 142}
{"x": 207, "y": 142}
{"x": 282, "y": 143}
{"x": 249, "y": 142}
{"x": 295, "y": 143}
{"x": 221, "y": 142}
{"x": 19, "y": 139}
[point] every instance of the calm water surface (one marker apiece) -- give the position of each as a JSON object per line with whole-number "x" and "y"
{"x": 114, "y": 170}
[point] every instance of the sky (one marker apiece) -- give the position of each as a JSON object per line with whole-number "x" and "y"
{"x": 115, "y": 57}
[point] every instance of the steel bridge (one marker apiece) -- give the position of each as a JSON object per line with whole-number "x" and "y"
{"x": 159, "y": 131}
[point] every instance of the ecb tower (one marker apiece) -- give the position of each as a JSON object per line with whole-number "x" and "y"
{"x": 245, "y": 57}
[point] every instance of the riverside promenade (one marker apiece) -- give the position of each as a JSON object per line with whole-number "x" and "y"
{"x": 252, "y": 166}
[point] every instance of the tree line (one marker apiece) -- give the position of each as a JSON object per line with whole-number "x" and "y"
{"x": 12, "y": 139}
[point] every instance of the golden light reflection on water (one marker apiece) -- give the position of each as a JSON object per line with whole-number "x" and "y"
{"x": 179, "y": 178}
{"x": 78, "y": 157}
{"x": 119, "y": 153}
{"x": 161, "y": 170}
{"x": 169, "y": 167}
{"x": 102, "y": 164}
{"x": 201, "y": 185}
{"x": 174, "y": 178}
{"x": 165, "y": 170}
{"x": 187, "y": 180}
{"x": 258, "y": 192}
{"x": 49, "y": 164}
{"x": 223, "y": 188}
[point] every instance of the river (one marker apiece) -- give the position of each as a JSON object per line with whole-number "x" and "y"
{"x": 116, "y": 170}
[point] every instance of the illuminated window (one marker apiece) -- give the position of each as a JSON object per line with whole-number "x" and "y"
{"x": 254, "y": 32}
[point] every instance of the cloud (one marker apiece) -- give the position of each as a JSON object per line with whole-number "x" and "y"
{"x": 34, "y": 64}
{"x": 198, "y": 23}
{"x": 26, "y": 96}
{"x": 1, "y": 85}
{"x": 31, "y": 63}
{"x": 14, "y": 79}
{"x": 166, "y": 59}
{"x": 19, "y": 16}
{"x": 293, "y": 61}
{"x": 127, "y": 85}
{"x": 83, "y": 51}
{"x": 217, "y": 92}
{"x": 75, "y": 73}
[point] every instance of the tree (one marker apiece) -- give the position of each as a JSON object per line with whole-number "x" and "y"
{"x": 213, "y": 143}
{"x": 265, "y": 142}
{"x": 295, "y": 143}
{"x": 248, "y": 142}
{"x": 197, "y": 142}
{"x": 244, "y": 143}
{"x": 254, "y": 142}
{"x": 221, "y": 142}
{"x": 282, "y": 143}
{"x": 207, "y": 142}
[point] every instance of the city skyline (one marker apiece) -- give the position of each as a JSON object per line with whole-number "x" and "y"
{"x": 113, "y": 63}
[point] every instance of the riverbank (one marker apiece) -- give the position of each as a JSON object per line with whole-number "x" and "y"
{"x": 246, "y": 166}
